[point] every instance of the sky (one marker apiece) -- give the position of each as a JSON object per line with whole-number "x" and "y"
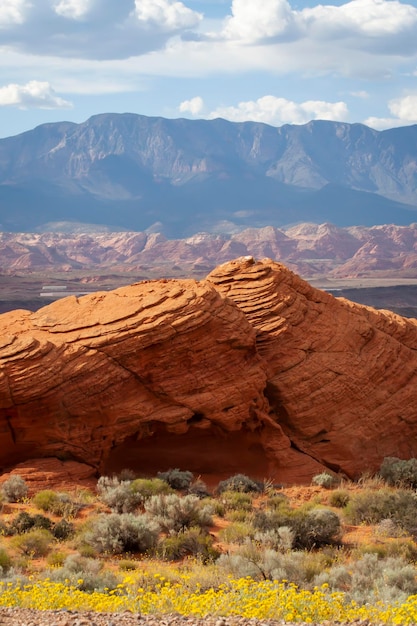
{"x": 270, "y": 61}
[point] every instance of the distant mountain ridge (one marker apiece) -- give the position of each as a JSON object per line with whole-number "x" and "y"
{"x": 311, "y": 250}
{"x": 183, "y": 176}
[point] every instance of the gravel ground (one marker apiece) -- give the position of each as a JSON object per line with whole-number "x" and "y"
{"x": 31, "y": 617}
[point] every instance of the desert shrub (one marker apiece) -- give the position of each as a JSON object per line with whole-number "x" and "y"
{"x": 56, "y": 503}
{"x": 397, "y": 548}
{"x": 339, "y": 498}
{"x": 239, "y": 482}
{"x": 198, "y": 488}
{"x": 388, "y": 528}
{"x": 46, "y": 500}
{"x": 371, "y": 578}
{"x": 14, "y": 488}
{"x": 399, "y": 472}
{"x": 281, "y": 539}
{"x": 147, "y": 487}
{"x": 34, "y": 543}
{"x": 325, "y": 480}
{"x": 121, "y": 533}
{"x": 311, "y": 527}
{"x": 121, "y": 498}
{"x": 237, "y": 533}
{"x": 371, "y": 507}
{"x": 83, "y": 573}
{"x": 321, "y": 526}
{"x": 176, "y": 478}
{"x": 258, "y": 562}
{"x": 127, "y": 565}
{"x": 5, "y": 561}
{"x": 276, "y": 500}
{"x": 235, "y": 500}
{"x": 56, "y": 558}
{"x": 173, "y": 513}
{"x": 190, "y": 542}
{"x": 126, "y": 474}
{"x": 41, "y": 521}
{"x": 238, "y": 516}
{"x": 20, "y": 524}
{"x": 62, "y": 530}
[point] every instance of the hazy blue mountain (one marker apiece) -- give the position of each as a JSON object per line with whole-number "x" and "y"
{"x": 184, "y": 176}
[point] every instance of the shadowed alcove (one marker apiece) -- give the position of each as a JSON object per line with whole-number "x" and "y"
{"x": 211, "y": 453}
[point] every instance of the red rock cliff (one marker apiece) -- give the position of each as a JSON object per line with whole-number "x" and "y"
{"x": 250, "y": 370}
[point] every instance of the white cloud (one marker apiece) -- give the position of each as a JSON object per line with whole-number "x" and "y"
{"x": 404, "y": 109}
{"x": 73, "y": 9}
{"x": 35, "y": 94}
{"x": 193, "y": 106}
{"x": 166, "y": 14}
{"x": 252, "y": 21}
{"x": 12, "y": 12}
{"x": 277, "y": 111}
{"x": 93, "y": 29}
{"x": 376, "y": 25}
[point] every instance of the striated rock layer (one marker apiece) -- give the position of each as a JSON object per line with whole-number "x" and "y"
{"x": 251, "y": 370}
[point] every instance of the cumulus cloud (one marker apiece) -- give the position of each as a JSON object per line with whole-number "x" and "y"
{"x": 193, "y": 106}
{"x": 35, "y": 94}
{"x": 253, "y": 22}
{"x": 404, "y": 109}
{"x": 376, "y": 25}
{"x": 277, "y": 111}
{"x": 93, "y": 29}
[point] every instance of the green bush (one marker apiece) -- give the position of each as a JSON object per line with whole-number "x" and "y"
{"x": 176, "y": 478}
{"x": 399, "y": 472}
{"x": 325, "y": 480}
{"x": 20, "y": 524}
{"x": 236, "y": 500}
{"x": 198, "y": 488}
{"x": 173, "y": 513}
{"x": 56, "y": 559}
{"x": 238, "y": 532}
{"x": 56, "y": 503}
{"x": 122, "y": 533}
{"x": 371, "y": 507}
{"x": 63, "y": 529}
{"x": 147, "y": 487}
{"x": 311, "y": 527}
{"x": 34, "y": 543}
{"x": 14, "y": 489}
{"x": 239, "y": 482}
{"x": 190, "y": 542}
{"x": 339, "y": 498}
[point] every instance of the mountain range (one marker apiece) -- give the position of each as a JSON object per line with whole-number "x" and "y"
{"x": 180, "y": 177}
{"x": 312, "y": 250}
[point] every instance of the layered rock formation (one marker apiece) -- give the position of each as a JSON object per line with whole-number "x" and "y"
{"x": 250, "y": 370}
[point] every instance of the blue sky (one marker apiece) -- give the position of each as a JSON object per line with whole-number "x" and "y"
{"x": 264, "y": 60}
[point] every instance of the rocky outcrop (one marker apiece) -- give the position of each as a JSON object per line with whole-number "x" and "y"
{"x": 249, "y": 370}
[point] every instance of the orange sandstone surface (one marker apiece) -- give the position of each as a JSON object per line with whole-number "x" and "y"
{"x": 251, "y": 370}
